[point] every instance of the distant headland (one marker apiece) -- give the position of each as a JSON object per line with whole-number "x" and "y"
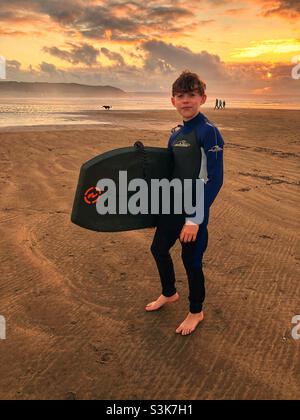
{"x": 46, "y": 90}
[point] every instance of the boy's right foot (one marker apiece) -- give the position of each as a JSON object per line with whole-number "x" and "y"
{"x": 161, "y": 301}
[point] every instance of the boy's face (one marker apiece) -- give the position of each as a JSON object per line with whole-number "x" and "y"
{"x": 188, "y": 103}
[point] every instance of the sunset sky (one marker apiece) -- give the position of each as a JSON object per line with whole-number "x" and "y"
{"x": 242, "y": 47}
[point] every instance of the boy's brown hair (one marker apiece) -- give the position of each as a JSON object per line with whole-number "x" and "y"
{"x": 188, "y": 82}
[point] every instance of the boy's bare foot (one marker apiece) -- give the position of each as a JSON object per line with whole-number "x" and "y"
{"x": 161, "y": 301}
{"x": 190, "y": 323}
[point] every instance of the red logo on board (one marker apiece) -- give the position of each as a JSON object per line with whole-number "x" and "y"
{"x": 92, "y": 195}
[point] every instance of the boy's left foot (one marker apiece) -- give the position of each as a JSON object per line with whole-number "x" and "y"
{"x": 190, "y": 323}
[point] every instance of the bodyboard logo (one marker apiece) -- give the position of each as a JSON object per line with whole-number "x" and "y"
{"x": 91, "y": 196}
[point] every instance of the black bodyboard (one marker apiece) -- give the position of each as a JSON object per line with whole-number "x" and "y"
{"x": 140, "y": 162}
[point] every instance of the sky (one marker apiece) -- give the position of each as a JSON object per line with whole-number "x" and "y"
{"x": 237, "y": 47}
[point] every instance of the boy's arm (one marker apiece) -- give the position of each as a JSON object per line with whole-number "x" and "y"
{"x": 170, "y": 142}
{"x": 212, "y": 171}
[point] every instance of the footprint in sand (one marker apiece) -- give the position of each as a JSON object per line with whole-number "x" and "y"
{"x": 104, "y": 356}
{"x": 71, "y": 396}
{"x": 244, "y": 189}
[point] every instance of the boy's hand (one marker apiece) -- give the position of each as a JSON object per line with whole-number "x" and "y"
{"x": 189, "y": 233}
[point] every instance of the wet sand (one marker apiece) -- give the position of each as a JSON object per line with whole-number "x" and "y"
{"x": 74, "y": 299}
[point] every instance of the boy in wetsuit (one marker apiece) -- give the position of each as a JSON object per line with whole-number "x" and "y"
{"x": 201, "y": 139}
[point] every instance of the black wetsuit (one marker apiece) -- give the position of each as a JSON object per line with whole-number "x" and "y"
{"x": 198, "y": 153}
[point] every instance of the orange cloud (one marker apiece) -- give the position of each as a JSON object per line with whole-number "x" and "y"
{"x": 289, "y": 9}
{"x": 236, "y": 12}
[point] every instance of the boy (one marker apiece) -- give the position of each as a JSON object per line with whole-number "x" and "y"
{"x": 197, "y": 147}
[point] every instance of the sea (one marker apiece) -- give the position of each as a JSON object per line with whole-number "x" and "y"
{"x": 19, "y": 112}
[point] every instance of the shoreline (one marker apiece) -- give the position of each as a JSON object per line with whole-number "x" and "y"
{"x": 144, "y": 118}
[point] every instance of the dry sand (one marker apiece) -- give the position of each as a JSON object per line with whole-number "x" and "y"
{"x": 74, "y": 299}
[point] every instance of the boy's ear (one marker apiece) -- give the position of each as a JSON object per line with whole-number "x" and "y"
{"x": 173, "y": 100}
{"x": 204, "y": 97}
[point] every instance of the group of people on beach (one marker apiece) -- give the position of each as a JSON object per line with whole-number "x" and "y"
{"x": 220, "y": 104}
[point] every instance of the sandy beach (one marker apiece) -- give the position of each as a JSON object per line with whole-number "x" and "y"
{"x": 74, "y": 299}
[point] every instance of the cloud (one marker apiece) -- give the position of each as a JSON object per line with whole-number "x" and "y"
{"x": 206, "y": 22}
{"x": 48, "y": 68}
{"x": 236, "y": 12}
{"x": 146, "y": 25}
{"x": 285, "y": 8}
{"x": 84, "y": 53}
{"x": 113, "y": 56}
{"x": 130, "y": 21}
{"x": 227, "y": 79}
{"x": 160, "y": 12}
{"x": 13, "y": 64}
{"x": 13, "y": 33}
{"x": 127, "y": 21}
{"x": 171, "y": 58}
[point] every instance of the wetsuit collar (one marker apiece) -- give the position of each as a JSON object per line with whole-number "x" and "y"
{"x": 191, "y": 124}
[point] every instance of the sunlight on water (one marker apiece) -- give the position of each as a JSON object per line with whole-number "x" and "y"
{"x": 27, "y": 112}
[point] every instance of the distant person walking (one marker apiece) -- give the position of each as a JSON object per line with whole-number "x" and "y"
{"x": 224, "y": 104}
{"x": 217, "y": 104}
